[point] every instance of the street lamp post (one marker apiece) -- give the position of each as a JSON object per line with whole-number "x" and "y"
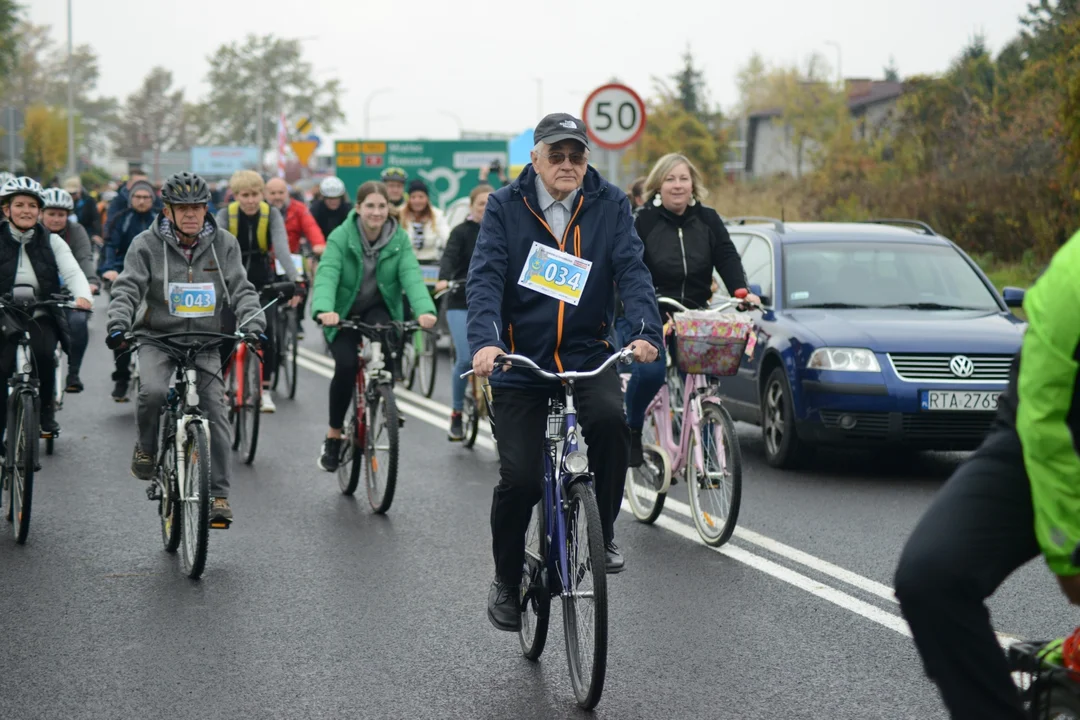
{"x": 367, "y": 109}
{"x": 839, "y": 63}
{"x": 70, "y": 99}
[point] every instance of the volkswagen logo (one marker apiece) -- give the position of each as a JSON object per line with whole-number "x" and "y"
{"x": 961, "y": 366}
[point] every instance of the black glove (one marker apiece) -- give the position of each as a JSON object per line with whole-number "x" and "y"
{"x": 301, "y": 289}
{"x": 115, "y": 340}
{"x": 256, "y": 339}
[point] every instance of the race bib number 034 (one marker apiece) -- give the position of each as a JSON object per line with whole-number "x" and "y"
{"x": 192, "y": 300}
{"x": 554, "y": 273}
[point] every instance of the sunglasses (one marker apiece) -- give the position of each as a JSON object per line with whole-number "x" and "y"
{"x": 558, "y": 158}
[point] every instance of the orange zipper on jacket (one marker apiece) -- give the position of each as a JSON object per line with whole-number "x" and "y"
{"x": 562, "y": 247}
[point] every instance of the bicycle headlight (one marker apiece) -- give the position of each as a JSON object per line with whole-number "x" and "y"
{"x": 847, "y": 359}
{"x": 576, "y": 463}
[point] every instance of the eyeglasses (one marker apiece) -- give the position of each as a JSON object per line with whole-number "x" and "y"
{"x": 558, "y": 158}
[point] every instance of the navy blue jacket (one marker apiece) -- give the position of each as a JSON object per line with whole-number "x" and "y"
{"x": 556, "y": 335}
{"x": 122, "y": 202}
{"x": 122, "y": 231}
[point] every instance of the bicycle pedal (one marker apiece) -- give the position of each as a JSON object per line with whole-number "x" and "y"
{"x": 153, "y": 491}
{"x": 220, "y": 524}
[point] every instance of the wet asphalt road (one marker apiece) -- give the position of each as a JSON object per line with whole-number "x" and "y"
{"x": 313, "y": 607}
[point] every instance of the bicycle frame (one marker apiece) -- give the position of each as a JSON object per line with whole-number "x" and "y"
{"x": 660, "y": 412}
{"x": 21, "y": 378}
{"x": 187, "y": 379}
{"x": 556, "y": 486}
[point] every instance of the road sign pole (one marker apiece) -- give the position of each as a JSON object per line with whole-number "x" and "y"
{"x": 613, "y": 159}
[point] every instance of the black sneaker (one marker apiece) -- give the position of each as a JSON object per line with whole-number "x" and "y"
{"x": 637, "y": 456}
{"x": 74, "y": 384}
{"x": 142, "y": 464}
{"x": 120, "y": 392}
{"x": 616, "y": 563}
{"x": 457, "y": 428}
{"x": 331, "y": 454}
{"x": 503, "y": 609}
{"x": 49, "y": 426}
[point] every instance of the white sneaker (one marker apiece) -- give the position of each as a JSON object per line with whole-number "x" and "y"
{"x": 268, "y": 405}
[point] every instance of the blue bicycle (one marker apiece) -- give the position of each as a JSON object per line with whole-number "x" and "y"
{"x": 566, "y": 559}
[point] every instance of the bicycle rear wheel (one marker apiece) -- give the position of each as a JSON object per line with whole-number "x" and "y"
{"x": 352, "y": 444}
{"x": 21, "y": 446}
{"x": 196, "y": 500}
{"x": 585, "y": 603}
{"x": 646, "y": 484}
{"x": 715, "y": 481}
{"x": 535, "y": 595}
{"x": 250, "y": 410}
{"x": 170, "y": 509}
{"x": 381, "y": 447}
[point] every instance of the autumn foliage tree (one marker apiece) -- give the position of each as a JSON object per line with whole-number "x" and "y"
{"x": 45, "y": 136}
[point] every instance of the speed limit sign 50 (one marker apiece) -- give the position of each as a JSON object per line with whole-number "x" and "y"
{"x": 614, "y": 116}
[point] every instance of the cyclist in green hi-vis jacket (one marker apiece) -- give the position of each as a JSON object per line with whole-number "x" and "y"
{"x": 1017, "y": 496}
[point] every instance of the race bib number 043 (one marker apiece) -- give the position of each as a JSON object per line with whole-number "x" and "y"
{"x": 192, "y": 300}
{"x": 554, "y": 273}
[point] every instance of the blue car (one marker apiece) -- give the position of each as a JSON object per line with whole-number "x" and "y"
{"x": 877, "y": 333}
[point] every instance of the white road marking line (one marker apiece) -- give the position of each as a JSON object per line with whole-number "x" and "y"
{"x": 769, "y": 567}
{"x": 803, "y": 558}
{"x": 403, "y": 406}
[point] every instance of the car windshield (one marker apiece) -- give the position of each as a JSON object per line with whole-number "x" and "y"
{"x": 874, "y": 274}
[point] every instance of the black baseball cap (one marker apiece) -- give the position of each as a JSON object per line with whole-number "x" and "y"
{"x": 560, "y": 126}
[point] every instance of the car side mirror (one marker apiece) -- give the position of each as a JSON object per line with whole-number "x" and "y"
{"x": 1013, "y": 296}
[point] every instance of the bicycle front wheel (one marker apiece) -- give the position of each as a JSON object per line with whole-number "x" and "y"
{"x": 195, "y": 495}
{"x": 21, "y": 446}
{"x": 646, "y": 485}
{"x": 381, "y": 447}
{"x": 470, "y": 412}
{"x": 290, "y": 345}
{"x": 585, "y": 602}
{"x": 426, "y": 362}
{"x": 714, "y": 475}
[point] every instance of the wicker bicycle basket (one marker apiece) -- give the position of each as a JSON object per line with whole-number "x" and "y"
{"x": 710, "y": 343}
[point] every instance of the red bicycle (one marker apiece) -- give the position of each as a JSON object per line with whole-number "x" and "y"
{"x": 244, "y": 383}
{"x": 372, "y": 421}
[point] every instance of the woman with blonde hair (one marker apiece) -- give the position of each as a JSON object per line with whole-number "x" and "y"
{"x": 684, "y": 241}
{"x": 424, "y": 223}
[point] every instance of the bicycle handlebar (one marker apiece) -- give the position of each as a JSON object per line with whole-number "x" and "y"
{"x": 739, "y": 301}
{"x": 623, "y": 356}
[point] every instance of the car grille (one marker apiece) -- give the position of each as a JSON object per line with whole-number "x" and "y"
{"x": 961, "y": 426}
{"x": 940, "y": 430}
{"x": 988, "y": 368}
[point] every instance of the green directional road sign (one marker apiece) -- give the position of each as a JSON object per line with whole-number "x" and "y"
{"x": 449, "y": 167}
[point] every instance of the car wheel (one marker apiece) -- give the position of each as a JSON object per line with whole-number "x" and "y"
{"x": 783, "y": 448}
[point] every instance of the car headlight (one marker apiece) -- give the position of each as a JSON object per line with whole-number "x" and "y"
{"x": 847, "y": 359}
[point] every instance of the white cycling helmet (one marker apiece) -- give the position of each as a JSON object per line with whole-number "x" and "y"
{"x": 58, "y": 198}
{"x": 331, "y": 187}
{"x": 22, "y": 186}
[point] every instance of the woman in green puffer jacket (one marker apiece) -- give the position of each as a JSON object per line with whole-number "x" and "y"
{"x": 367, "y": 266}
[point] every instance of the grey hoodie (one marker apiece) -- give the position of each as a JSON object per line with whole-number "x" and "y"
{"x": 155, "y": 259}
{"x": 369, "y": 287}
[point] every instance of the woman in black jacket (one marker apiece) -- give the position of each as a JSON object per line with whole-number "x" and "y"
{"x": 684, "y": 242}
{"x": 454, "y": 267}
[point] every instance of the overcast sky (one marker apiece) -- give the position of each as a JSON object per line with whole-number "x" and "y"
{"x": 480, "y": 61}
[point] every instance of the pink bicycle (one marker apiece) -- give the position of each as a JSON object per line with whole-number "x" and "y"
{"x": 708, "y": 344}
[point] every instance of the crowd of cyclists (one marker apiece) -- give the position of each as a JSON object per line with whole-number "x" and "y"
{"x": 186, "y": 258}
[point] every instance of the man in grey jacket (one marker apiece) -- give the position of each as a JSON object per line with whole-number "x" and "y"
{"x": 184, "y": 249}
{"x": 55, "y": 216}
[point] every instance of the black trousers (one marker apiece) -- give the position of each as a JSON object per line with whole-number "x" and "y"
{"x": 346, "y": 364}
{"x": 43, "y": 338}
{"x": 520, "y": 427}
{"x": 978, "y": 530}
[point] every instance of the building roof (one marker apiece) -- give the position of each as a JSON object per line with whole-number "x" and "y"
{"x": 861, "y": 95}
